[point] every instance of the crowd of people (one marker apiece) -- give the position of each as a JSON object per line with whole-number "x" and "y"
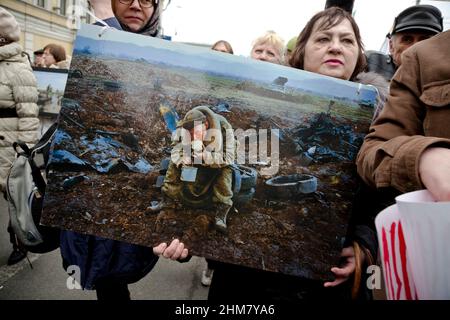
{"x": 51, "y": 56}
{"x": 407, "y": 147}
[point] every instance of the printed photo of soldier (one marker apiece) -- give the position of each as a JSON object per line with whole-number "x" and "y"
{"x": 201, "y": 177}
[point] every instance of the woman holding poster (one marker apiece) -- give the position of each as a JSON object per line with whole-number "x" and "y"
{"x": 330, "y": 44}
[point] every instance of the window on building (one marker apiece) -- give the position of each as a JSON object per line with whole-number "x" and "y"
{"x": 41, "y": 3}
{"x": 62, "y": 6}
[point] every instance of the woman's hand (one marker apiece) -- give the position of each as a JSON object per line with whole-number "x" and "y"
{"x": 434, "y": 170}
{"x": 174, "y": 251}
{"x": 343, "y": 273}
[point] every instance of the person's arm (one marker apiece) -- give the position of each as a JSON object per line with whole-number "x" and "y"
{"x": 181, "y": 148}
{"x": 390, "y": 154}
{"x": 226, "y": 154}
{"x": 434, "y": 170}
{"x": 361, "y": 229}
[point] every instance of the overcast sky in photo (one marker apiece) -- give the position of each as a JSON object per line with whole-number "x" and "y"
{"x": 242, "y": 21}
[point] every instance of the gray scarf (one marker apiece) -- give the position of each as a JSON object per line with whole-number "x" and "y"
{"x": 152, "y": 27}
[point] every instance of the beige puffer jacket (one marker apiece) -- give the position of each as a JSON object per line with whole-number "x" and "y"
{"x": 18, "y": 94}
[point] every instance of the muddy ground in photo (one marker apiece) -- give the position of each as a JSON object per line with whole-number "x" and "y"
{"x": 119, "y": 102}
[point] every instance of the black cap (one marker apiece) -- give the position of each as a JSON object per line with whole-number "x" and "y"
{"x": 40, "y": 51}
{"x": 421, "y": 17}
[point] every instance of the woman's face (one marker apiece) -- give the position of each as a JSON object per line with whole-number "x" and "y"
{"x": 48, "y": 58}
{"x": 333, "y": 52}
{"x": 134, "y": 15}
{"x": 266, "y": 52}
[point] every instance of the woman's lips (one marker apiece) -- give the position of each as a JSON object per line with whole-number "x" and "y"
{"x": 334, "y": 62}
{"x": 133, "y": 18}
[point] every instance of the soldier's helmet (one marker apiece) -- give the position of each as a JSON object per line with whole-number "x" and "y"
{"x": 191, "y": 118}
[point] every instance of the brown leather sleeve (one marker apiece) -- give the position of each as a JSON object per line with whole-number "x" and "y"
{"x": 389, "y": 156}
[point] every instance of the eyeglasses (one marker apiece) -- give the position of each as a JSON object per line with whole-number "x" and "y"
{"x": 143, "y": 3}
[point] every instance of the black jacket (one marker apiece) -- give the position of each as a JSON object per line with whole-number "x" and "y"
{"x": 381, "y": 63}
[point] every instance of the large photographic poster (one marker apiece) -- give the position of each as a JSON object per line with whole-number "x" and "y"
{"x": 131, "y": 103}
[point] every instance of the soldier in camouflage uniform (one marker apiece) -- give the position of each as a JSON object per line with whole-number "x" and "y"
{"x": 207, "y": 144}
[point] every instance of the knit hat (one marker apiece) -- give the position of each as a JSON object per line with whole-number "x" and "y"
{"x": 9, "y": 28}
{"x": 291, "y": 44}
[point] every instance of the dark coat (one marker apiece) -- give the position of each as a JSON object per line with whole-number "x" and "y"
{"x": 381, "y": 63}
{"x": 100, "y": 258}
{"x": 238, "y": 283}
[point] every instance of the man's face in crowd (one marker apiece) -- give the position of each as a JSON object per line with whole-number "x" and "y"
{"x": 39, "y": 59}
{"x": 401, "y": 41}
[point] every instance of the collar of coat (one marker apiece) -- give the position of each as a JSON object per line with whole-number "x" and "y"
{"x": 10, "y": 50}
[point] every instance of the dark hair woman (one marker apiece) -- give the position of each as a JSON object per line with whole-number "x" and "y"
{"x": 55, "y": 56}
{"x": 222, "y": 46}
{"x": 330, "y": 44}
{"x": 333, "y": 32}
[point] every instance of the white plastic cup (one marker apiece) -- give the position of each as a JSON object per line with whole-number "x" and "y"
{"x": 426, "y": 226}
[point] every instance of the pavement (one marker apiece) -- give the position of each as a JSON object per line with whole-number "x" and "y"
{"x": 47, "y": 280}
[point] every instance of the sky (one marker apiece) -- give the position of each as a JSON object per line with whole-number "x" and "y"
{"x": 240, "y": 22}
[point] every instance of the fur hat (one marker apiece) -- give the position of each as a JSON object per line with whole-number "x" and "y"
{"x": 9, "y": 28}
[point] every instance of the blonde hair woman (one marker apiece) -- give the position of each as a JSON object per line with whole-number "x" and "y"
{"x": 269, "y": 47}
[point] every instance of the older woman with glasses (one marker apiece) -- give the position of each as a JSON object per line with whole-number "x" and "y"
{"x": 138, "y": 16}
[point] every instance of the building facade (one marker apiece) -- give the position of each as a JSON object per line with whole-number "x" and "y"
{"x": 47, "y": 21}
